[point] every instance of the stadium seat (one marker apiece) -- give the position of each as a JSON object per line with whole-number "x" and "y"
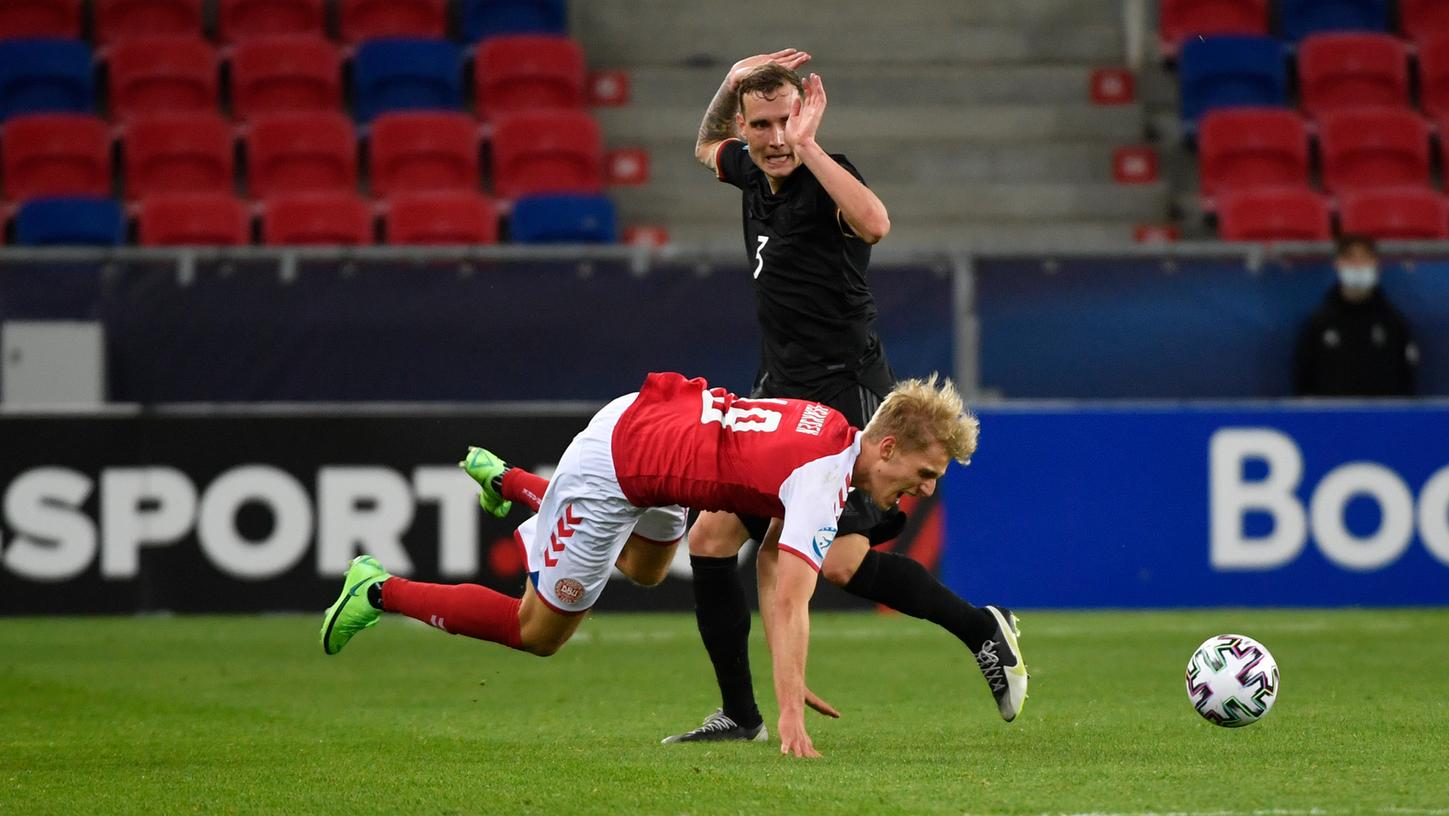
{"x": 1299, "y": 18}
{"x": 1373, "y": 147}
{"x": 301, "y": 152}
{"x": 1181, "y": 19}
{"x": 117, "y": 20}
{"x": 242, "y": 20}
{"x": 55, "y": 154}
{"x": 317, "y": 218}
{"x": 423, "y": 151}
{"x": 489, "y": 18}
{"x": 178, "y": 153}
{"x": 1274, "y": 214}
{"x": 403, "y": 74}
{"x": 1223, "y": 72}
{"x": 193, "y": 219}
{"x": 40, "y": 18}
{"x": 363, "y": 20}
{"x": 162, "y": 75}
{"x": 547, "y": 152}
{"x": 563, "y": 219}
{"x": 1242, "y": 148}
{"x": 1423, "y": 18}
{"x": 446, "y": 217}
{"x": 45, "y": 75}
{"x": 528, "y": 72}
{"x": 89, "y": 221}
{"x": 280, "y": 74}
{"x": 1412, "y": 213}
{"x": 1434, "y": 75}
{"x": 1337, "y": 71}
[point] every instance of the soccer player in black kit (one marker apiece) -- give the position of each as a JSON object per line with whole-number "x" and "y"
{"x": 809, "y": 224}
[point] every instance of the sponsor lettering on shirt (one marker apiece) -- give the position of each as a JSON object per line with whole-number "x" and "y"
{"x": 812, "y": 420}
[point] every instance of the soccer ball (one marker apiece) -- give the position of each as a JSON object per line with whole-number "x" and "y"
{"x": 1232, "y": 680}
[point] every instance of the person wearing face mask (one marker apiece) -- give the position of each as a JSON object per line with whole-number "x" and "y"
{"x": 1356, "y": 344}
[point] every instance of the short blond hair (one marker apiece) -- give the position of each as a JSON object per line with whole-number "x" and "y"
{"x": 917, "y": 413}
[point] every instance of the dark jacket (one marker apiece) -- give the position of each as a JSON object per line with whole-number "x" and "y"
{"x": 1360, "y": 349}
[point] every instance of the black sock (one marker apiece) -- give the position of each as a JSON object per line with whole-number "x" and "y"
{"x": 374, "y": 595}
{"x": 904, "y": 585}
{"x": 723, "y": 616}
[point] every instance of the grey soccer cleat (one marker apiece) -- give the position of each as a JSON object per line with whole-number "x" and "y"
{"x": 1002, "y": 665}
{"x": 718, "y": 728}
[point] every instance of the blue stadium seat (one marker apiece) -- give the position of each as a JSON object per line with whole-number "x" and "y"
{"x": 1303, "y": 17}
{"x": 406, "y": 74}
{"x": 488, "y": 18}
{"x": 1226, "y": 72}
{"x": 563, "y": 219}
{"x": 45, "y": 75}
{"x": 70, "y": 221}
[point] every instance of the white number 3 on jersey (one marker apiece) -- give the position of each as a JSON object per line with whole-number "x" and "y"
{"x": 760, "y": 254}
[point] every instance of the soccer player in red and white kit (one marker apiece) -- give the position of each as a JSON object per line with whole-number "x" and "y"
{"x": 619, "y": 495}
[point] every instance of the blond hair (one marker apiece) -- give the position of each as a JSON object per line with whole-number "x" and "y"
{"x": 917, "y": 413}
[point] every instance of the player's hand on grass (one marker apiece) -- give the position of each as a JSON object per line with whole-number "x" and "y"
{"x": 806, "y": 113}
{"x": 815, "y": 702}
{"x": 793, "y": 739}
{"x": 787, "y": 57}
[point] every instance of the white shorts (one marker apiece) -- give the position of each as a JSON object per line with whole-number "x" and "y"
{"x": 585, "y": 520}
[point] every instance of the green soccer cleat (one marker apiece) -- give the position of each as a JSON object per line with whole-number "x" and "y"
{"x": 484, "y": 467}
{"x": 352, "y": 613}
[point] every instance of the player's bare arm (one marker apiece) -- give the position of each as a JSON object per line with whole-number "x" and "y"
{"x": 794, "y": 585}
{"x": 719, "y": 119}
{"x": 767, "y": 565}
{"x": 862, "y": 209}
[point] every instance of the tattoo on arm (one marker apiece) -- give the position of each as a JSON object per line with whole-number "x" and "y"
{"x": 719, "y": 119}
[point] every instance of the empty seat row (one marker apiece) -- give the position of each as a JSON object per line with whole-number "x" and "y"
{"x": 1181, "y": 20}
{"x": 532, "y": 153}
{"x": 168, "y": 73}
{"x": 218, "y": 219}
{"x": 240, "y": 20}
{"x": 1301, "y": 214}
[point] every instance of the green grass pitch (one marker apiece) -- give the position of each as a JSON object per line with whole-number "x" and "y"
{"x": 245, "y": 715}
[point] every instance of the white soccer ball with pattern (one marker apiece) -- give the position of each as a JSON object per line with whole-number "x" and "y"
{"x": 1232, "y": 680}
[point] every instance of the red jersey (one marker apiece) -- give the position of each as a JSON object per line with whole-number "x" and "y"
{"x": 683, "y": 443}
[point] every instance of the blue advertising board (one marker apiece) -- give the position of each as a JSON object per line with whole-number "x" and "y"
{"x": 1173, "y": 506}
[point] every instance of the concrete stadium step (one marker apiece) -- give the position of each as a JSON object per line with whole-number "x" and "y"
{"x": 1013, "y": 123}
{"x": 905, "y": 237}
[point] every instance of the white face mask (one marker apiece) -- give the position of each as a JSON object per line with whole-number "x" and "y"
{"x": 1359, "y": 277}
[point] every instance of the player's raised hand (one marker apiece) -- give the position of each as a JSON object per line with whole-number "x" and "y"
{"x": 806, "y": 113}
{"x": 815, "y": 702}
{"x": 786, "y": 57}
{"x": 793, "y": 739}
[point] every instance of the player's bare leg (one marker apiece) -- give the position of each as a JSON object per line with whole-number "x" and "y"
{"x": 542, "y": 630}
{"x": 646, "y": 562}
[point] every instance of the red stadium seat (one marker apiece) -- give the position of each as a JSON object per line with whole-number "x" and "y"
{"x": 1347, "y": 70}
{"x": 372, "y": 19}
{"x": 1434, "y": 74}
{"x": 1412, "y": 213}
{"x": 1423, "y": 18}
{"x": 547, "y": 152}
{"x": 423, "y": 151}
{"x": 446, "y": 217}
{"x": 162, "y": 74}
{"x": 193, "y": 219}
{"x": 55, "y": 154}
{"x": 242, "y": 20}
{"x": 528, "y": 72}
{"x": 301, "y": 152}
{"x": 1274, "y": 214}
{"x": 178, "y": 153}
{"x": 40, "y": 18}
{"x": 125, "y": 19}
{"x": 1373, "y": 147}
{"x": 317, "y": 218}
{"x": 1181, "y": 19}
{"x": 285, "y": 74}
{"x": 1242, "y": 148}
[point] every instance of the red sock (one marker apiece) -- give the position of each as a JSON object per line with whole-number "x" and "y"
{"x": 459, "y": 609}
{"x": 521, "y": 486}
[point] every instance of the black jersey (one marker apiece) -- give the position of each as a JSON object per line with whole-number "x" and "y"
{"x": 815, "y": 307}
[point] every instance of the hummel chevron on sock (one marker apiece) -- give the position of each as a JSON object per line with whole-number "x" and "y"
{"x": 459, "y": 609}
{"x": 518, "y": 485}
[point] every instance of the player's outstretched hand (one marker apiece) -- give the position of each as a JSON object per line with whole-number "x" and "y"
{"x": 787, "y": 57}
{"x": 815, "y": 702}
{"x": 793, "y": 739}
{"x": 806, "y": 113}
